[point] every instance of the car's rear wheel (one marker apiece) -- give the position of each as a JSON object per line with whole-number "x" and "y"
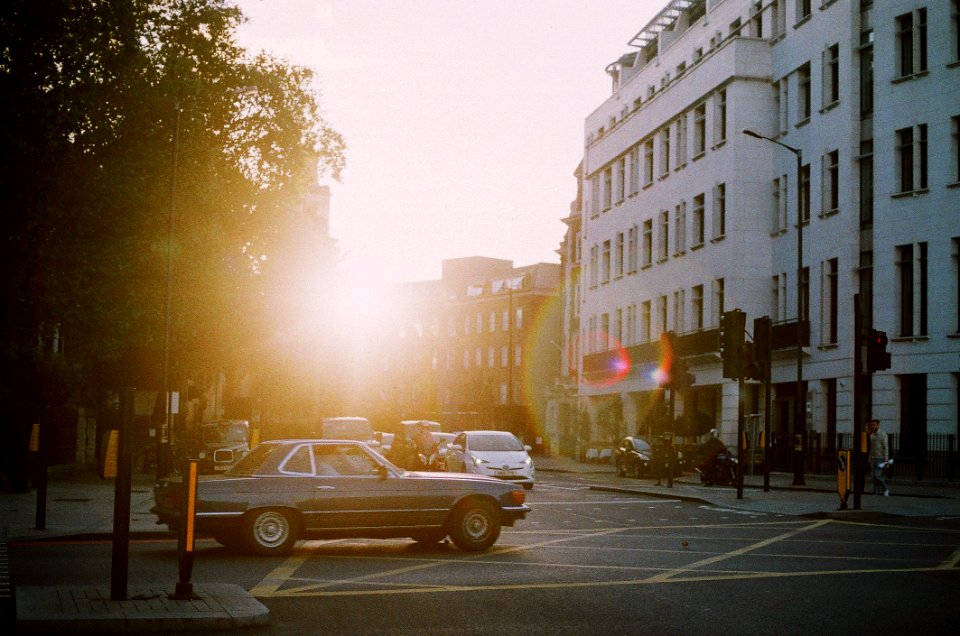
{"x": 270, "y": 532}
{"x": 475, "y": 526}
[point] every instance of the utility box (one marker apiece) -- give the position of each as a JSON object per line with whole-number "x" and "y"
{"x": 844, "y": 476}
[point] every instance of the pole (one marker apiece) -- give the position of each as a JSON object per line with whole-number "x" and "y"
{"x": 799, "y": 423}
{"x": 858, "y": 378}
{"x": 163, "y": 454}
{"x": 767, "y": 373}
{"x": 740, "y": 438}
{"x": 120, "y": 555}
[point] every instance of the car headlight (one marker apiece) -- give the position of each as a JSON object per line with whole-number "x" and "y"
{"x": 202, "y": 455}
{"x": 527, "y": 461}
{"x": 478, "y": 462}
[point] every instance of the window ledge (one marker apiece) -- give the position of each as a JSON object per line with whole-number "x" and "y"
{"x": 953, "y": 64}
{"x": 799, "y": 23}
{"x": 719, "y": 144}
{"x": 699, "y": 154}
{"x": 663, "y": 177}
{"x": 698, "y": 246}
{"x": 803, "y": 122}
{"x": 717, "y": 239}
{"x": 909, "y": 193}
{"x": 679, "y": 254}
{"x": 907, "y": 78}
{"x": 646, "y": 266}
{"x": 828, "y": 107}
{"x": 648, "y": 185}
{"x": 779, "y": 232}
{"x": 827, "y": 346}
{"x": 662, "y": 259}
{"x": 826, "y": 3}
{"x": 917, "y": 338}
{"x": 825, "y": 213}
{"x": 955, "y": 184}
{"x": 953, "y": 336}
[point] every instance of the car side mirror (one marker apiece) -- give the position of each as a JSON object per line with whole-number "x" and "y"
{"x": 527, "y": 447}
{"x": 456, "y": 447}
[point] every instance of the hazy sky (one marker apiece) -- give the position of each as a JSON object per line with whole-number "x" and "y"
{"x": 463, "y": 120}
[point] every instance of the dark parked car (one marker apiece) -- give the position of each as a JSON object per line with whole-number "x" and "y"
{"x": 284, "y": 490}
{"x": 220, "y": 445}
{"x": 633, "y": 456}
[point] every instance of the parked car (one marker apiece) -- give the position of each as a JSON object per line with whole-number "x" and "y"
{"x": 358, "y": 428}
{"x": 219, "y": 445}
{"x": 496, "y": 453}
{"x": 285, "y": 490}
{"x": 633, "y": 456}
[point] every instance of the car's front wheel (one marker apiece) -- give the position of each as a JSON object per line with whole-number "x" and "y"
{"x": 270, "y": 532}
{"x": 475, "y": 526}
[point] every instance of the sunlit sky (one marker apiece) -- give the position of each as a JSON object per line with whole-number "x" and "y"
{"x": 463, "y": 119}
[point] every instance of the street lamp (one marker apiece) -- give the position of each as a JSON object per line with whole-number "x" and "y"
{"x": 799, "y": 402}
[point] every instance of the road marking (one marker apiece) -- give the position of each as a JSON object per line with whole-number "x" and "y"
{"x": 951, "y": 561}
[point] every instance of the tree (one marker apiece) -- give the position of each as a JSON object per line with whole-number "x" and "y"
{"x": 96, "y": 97}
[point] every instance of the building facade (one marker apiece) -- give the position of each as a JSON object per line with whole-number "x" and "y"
{"x": 854, "y": 108}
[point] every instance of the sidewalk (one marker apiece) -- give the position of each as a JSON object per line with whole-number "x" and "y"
{"x": 80, "y": 504}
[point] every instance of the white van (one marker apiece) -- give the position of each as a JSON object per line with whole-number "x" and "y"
{"x": 356, "y": 428}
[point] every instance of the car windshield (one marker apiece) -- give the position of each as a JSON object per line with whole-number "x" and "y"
{"x": 640, "y": 445}
{"x": 225, "y": 432}
{"x": 486, "y": 442}
{"x": 251, "y": 463}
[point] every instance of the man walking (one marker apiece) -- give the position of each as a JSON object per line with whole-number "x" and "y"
{"x": 879, "y": 457}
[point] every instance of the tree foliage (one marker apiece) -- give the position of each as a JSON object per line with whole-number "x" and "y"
{"x": 97, "y": 100}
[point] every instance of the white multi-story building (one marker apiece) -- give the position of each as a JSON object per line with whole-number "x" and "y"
{"x": 681, "y": 216}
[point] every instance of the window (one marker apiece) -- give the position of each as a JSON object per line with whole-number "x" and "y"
{"x": 616, "y": 328}
{"x": 830, "y": 300}
{"x": 518, "y": 318}
{"x": 912, "y": 42}
{"x": 905, "y": 271}
{"x": 505, "y": 320}
{"x": 756, "y": 20}
{"x": 955, "y": 20}
{"x": 805, "y": 193}
{"x": 866, "y": 182}
{"x": 594, "y": 197}
{"x": 720, "y": 117}
{"x": 664, "y": 244}
{"x": 492, "y": 326}
{"x": 718, "y": 300}
{"x": 698, "y": 220}
{"x": 784, "y": 104}
{"x": 803, "y": 10}
{"x": 697, "y": 306}
{"x": 605, "y": 332}
{"x": 679, "y": 298}
{"x": 955, "y": 134}
{"x": 645, "y": 321}
{"x": 634, "y": 170}
{"x": 662, "y": 313}
{"x": 479, "y": 322}
{"x": 466, "y": 359}
{"x": 504, "y": 357}
{"x": 680, "y": 228}
{"x": 803, "y": 97}
{"x": 956, "y": 284}
{"x": 517, "y": 355}
{"x": 630, "y": 336}
{"x": 699, "y": 130}
{"x": 621, "y": 178}
{"x": 831, "y": 75}
{"x": 647, "y": 243}
{"x": 618, "y": 256}
{"x": 605, "y": 262}
{"x": 665, "y": 152}
{"x": 607, "y": 188}
{"x": 831, "y": 182}
{"x": 648, "y": 162}
{"x": 778, "y": 17}
{"x": 805, "y": 294}
{"x": 912, "y": 158}
{"x": 632, "y": 249}
{"x": 681, "y": 141}
{"x": 781, "y": 205}
{"x": 719, "y": 210}
{"x": 478, "y": 356}
{"x": 594, "y": 265}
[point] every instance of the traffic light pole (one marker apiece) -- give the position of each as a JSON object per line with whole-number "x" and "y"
{"x": 858, "y": 385}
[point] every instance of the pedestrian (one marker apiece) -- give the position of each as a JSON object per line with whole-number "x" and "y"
{"x": 878, "y": 456}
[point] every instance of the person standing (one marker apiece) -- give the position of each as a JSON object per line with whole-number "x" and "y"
{"x": 879, "y": 457}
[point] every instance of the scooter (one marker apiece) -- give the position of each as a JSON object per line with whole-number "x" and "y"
{"x": 722, "y": 472}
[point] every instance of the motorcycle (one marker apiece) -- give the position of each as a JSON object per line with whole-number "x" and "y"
{"x": 723, "y": 471}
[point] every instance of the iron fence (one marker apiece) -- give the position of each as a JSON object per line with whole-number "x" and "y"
{"x": 934, "y": 456}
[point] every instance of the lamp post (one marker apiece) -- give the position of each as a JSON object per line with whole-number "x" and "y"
{"x": 799, "y": 420}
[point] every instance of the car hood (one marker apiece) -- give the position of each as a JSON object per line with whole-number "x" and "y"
{"x": 500, "y": 458}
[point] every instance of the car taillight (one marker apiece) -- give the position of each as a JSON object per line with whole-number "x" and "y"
{"x": 518, "y": 497}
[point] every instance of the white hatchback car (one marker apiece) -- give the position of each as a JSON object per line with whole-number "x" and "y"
{"x": 494, "y": 453}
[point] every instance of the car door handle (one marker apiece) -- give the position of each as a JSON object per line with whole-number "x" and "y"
{"x": 325, "y": 488}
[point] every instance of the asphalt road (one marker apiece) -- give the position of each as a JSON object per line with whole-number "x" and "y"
{"x": 583, "y": 562}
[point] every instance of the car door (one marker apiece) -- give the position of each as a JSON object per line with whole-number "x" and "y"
{"x": 353, "y": 489}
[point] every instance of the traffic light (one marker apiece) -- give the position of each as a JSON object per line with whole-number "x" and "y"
{"x": 752, "y": 369}
{"x": 763, "y": 342}
{"x": 878, "y": 358}
{"x": 674, "y": 373}
{"x": 731, "y": 342}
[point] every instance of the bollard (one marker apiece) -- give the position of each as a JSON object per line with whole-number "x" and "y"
{"x": 843, "y": 477}
{"x": 187, "y": 539}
